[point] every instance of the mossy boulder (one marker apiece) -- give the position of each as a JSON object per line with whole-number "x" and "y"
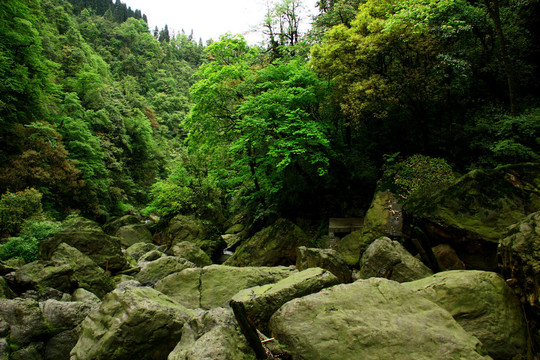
{"x": 519, "y": 262}
{"x": 132, "y": 234}
{"x": 5, "y": 291}
{"x": 260, "y": 302}
{"x": 156, "y": 270}
{"x": 384, "y": 216}
{"x": 188, "y": 228}
{"x": 112, "y": 226}
{"x": 139, "y": 249}
{"x": 328, "y": 259}
{"x": 352, "y": 246}
{"x": 447, "y": 258}
{"x": 212, "y": 334}
{"x": 389, "y": 259}
{"x": 132, "y": 323}
{"x": 483, "y": 305}
{"x": 371, "y": 319}
{"x": 213, "y": 286}
{"x": 67, "y": 270}
{"x": 87, "y": 237}
{"x": 24, "y": 321}
{"x": 473, "y": 213}
{"x": 191, "y": 252}
{"x": 273, "y": 246}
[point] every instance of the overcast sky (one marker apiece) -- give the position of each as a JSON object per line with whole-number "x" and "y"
{"x": 210, "y": 18}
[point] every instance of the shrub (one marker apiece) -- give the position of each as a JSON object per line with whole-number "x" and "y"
{"x": 16, "y": 207}
{"x": 20, "y": 247}
{"x": 417, "y": 173}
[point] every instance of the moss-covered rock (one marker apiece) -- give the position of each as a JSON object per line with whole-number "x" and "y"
{"x": 214, "y": 285}
{"x": 188, "y": 228}
{"x": 352, "y": 246}
{"x": 389, "y": 259}
{"x": 483, "y": 305}
{"x": 273, "y": 246}
{"x": 260, "y": 302}
{"x": 156, "y": 270}
{"x": 132, "y": 323}
{"x": 384, "y": 216}
{"x": 371, "y": 319}
{"x": 447, "y": 258}
{"x": 87, "y": 237}
{"x": 67, "y": 270}
{"x": 132, "y": 234}
{"x": 112, "y": 226}
{"x": 519, "y": 262}
{"x": 328, "y": 259}
{"x": 191, "y": 252}
{"x": 215, "y": 335}
{"x": 5, "y": 291}
{"x": 139, "y": 249}
{"x": 472, "y": 214}
{"x": 25, "y": 321}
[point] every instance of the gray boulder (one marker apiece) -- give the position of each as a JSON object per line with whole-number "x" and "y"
{"x": 323, "y": 258}
{"x": 371, "y": 319}
{"x": 260, "y": 302}
{"x": 156, "y": 270}
{"x": 139, "y": 249}
{"x": 132, "y": 234}
{"x": 212, "y": 335}
{"x": 213, "y": 286}
{"x": 482, "y": 304}
{"x": 112, "y": 226}
{"x": 132, "y": 323}
{"x": 389, "y": 259}
{"x": 68, "y": 269}
{"x": 87, "y": 237}
{"x": 191, "y": 252}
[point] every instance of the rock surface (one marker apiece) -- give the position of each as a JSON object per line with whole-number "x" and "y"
{"x": 327, "y": 259}
{"x": 261, "y": 302}
{"x": 483, "y": 305}
{"x": 273, "y": 246}
{"x": 156, "y": 270}
{"x": 191, "y": 252}
{"x": 447, "y": 258}
{"x": 389, "y": 259}
{"x": 67, "y": 270}
{"x": 473, "y": 213}
{"x": 212, "y": 335}
{"x": 371, "y": 319}
{"x": 87, "y": 237}
{"x": 352, "y": 246}
{"x": 132, "y": 234}
{"x": 132, "y": 323}
{"x": 214, "y": 285}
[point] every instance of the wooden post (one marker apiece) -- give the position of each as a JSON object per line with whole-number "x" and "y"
{"x": 248, "y": 329}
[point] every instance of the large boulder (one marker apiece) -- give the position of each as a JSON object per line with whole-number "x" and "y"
{"x": 156, "y": 270}
{"x": 519, "y": 262}
{"x": 214, "y": 285}
{"x": 327, "y": 259}
{"x": 212, "y": 335}
{"x": 260, "y": 302}
{"x": 87, "y": 237}
{"x": 447, "y": 258}
{"x": 473, "y": 213}
{"x": 29, "y": 327}
{"x": 272, "y": 246}
{"x": 132, "y": 234}
{"x": 139, "y": 249}
{"x": 188, "y": 228}
{"x": 191, "y": 252}
{"x": 132, "y": 323}
{"x": 5, "y": 291}
{"x": 371, "y": 319}
{"x": 384, "y": 216}
{"x": 482, "y": 304}
{"x": 112, "y": 226}
{"x": 389, "y": 259}
{"x": 352, "y": 246}
{"x": 67, "y": 270}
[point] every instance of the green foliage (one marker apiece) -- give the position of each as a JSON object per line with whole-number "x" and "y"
{"x": 170, "y": 199}
{"x": 20, "y": 247}
{"x": 16, "y": 207}
{"x": 417, "y": 174}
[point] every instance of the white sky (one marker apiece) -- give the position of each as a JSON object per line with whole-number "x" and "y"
{"x": 211, "y": 18}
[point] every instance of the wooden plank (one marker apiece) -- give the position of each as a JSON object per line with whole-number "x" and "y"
{"x": 341, "y": 225}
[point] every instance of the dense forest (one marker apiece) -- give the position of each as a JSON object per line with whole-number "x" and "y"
{"x": 101, "y": 116}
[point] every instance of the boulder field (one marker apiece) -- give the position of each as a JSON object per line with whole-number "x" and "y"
{"x": 452, "y": 275}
